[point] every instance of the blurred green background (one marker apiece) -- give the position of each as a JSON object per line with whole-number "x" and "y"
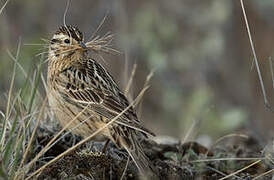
{"x": 204, "y": 80}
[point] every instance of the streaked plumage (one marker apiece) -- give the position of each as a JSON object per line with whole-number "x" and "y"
{"x": 76, "y": 81}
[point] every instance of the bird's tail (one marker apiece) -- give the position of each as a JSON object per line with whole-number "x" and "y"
{"x": 135, "y": 151}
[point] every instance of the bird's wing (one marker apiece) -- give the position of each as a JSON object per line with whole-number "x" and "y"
{"x": 90, "y": 84}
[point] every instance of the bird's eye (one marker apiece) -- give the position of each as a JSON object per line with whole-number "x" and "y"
{"x": 67, "y": 41}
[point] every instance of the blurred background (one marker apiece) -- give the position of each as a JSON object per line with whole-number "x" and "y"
{"x": 204, "y": 80}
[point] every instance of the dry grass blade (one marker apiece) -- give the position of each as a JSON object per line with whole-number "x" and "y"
{"x": 69, "y": 131}
{"x": 53, "y": 139}
{"x": 216, "y": 170}
{"x": 2, "y": 8}
{"x": 98, "y": 28}
{"x": 2, "y": 114}
{"x": 11, "y": 109}
{"x": 33, "y": 44}
{"x": 88, "y": 138}
{"x": 24, "y": 73}
{"x": 226, "y": 159}
{"x": 263, "y": 174}
{"x": 63, "y": 52}
{"x": 44, "y": 83}
{"x": 102, "y": 44}
{"x": 240, "y": 170}
{"x": 146, "y": 84}
{"x": 125, "y": 169}
{"x": 45, "y": 40}
{"x": 33, "y": 132}
{"x": 66, "y": 11}
{"x": 271, "y": 71}
{"x": 9, "y": 99}
{"x": 255, "y": 58}
{"x": 18, "y": 64}
{"x": 130, "y": 79}
{"x": 189, "y": 131}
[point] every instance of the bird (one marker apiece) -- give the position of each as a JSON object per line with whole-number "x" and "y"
{"x": 81, "y": 90}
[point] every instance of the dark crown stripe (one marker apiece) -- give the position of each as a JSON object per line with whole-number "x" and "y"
{"x": 71, "y": 31}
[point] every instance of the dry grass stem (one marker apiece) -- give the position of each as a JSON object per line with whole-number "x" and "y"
{"x": 102, "y": 44}
{"x": 24, "y": 73}
{"x": 226, "y": 159}
{"x": 146, "y": 84}
{"x": 271, "y": 71}
{"x": 3, "y": 7}
{"x": 190, "y": 130}
{"x": 255, "y": 58}
{"x": 263, "y": 174}
{"x": 130, "y": 80}
{"x": 53, "y": 139}
{"x": 98, "y": 28}
{"x": 2, "y": 141}
{"x": 240, "y": 170}
{"x": 33, "y": 132}
{"x": 125, "y": 169}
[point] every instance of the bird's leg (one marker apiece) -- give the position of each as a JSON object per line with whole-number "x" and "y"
{"x": 105, "y": 146}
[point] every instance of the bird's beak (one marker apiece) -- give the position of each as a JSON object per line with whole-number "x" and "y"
{"x": 82, "y": 44}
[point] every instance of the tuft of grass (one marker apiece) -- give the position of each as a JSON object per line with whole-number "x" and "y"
{"x": 17, "y": 129}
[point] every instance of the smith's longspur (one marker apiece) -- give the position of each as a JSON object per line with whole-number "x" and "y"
{"x": 82, "y": 89}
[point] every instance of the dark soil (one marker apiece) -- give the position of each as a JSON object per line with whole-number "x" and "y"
{"x": 172, "y": 160}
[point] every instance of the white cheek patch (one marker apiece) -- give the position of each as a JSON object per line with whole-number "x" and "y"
{"x": 60, "y": 36}
{"x": 60, "y": 49}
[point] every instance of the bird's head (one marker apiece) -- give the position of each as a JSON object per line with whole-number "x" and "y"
{"x": 66, "y": 41}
